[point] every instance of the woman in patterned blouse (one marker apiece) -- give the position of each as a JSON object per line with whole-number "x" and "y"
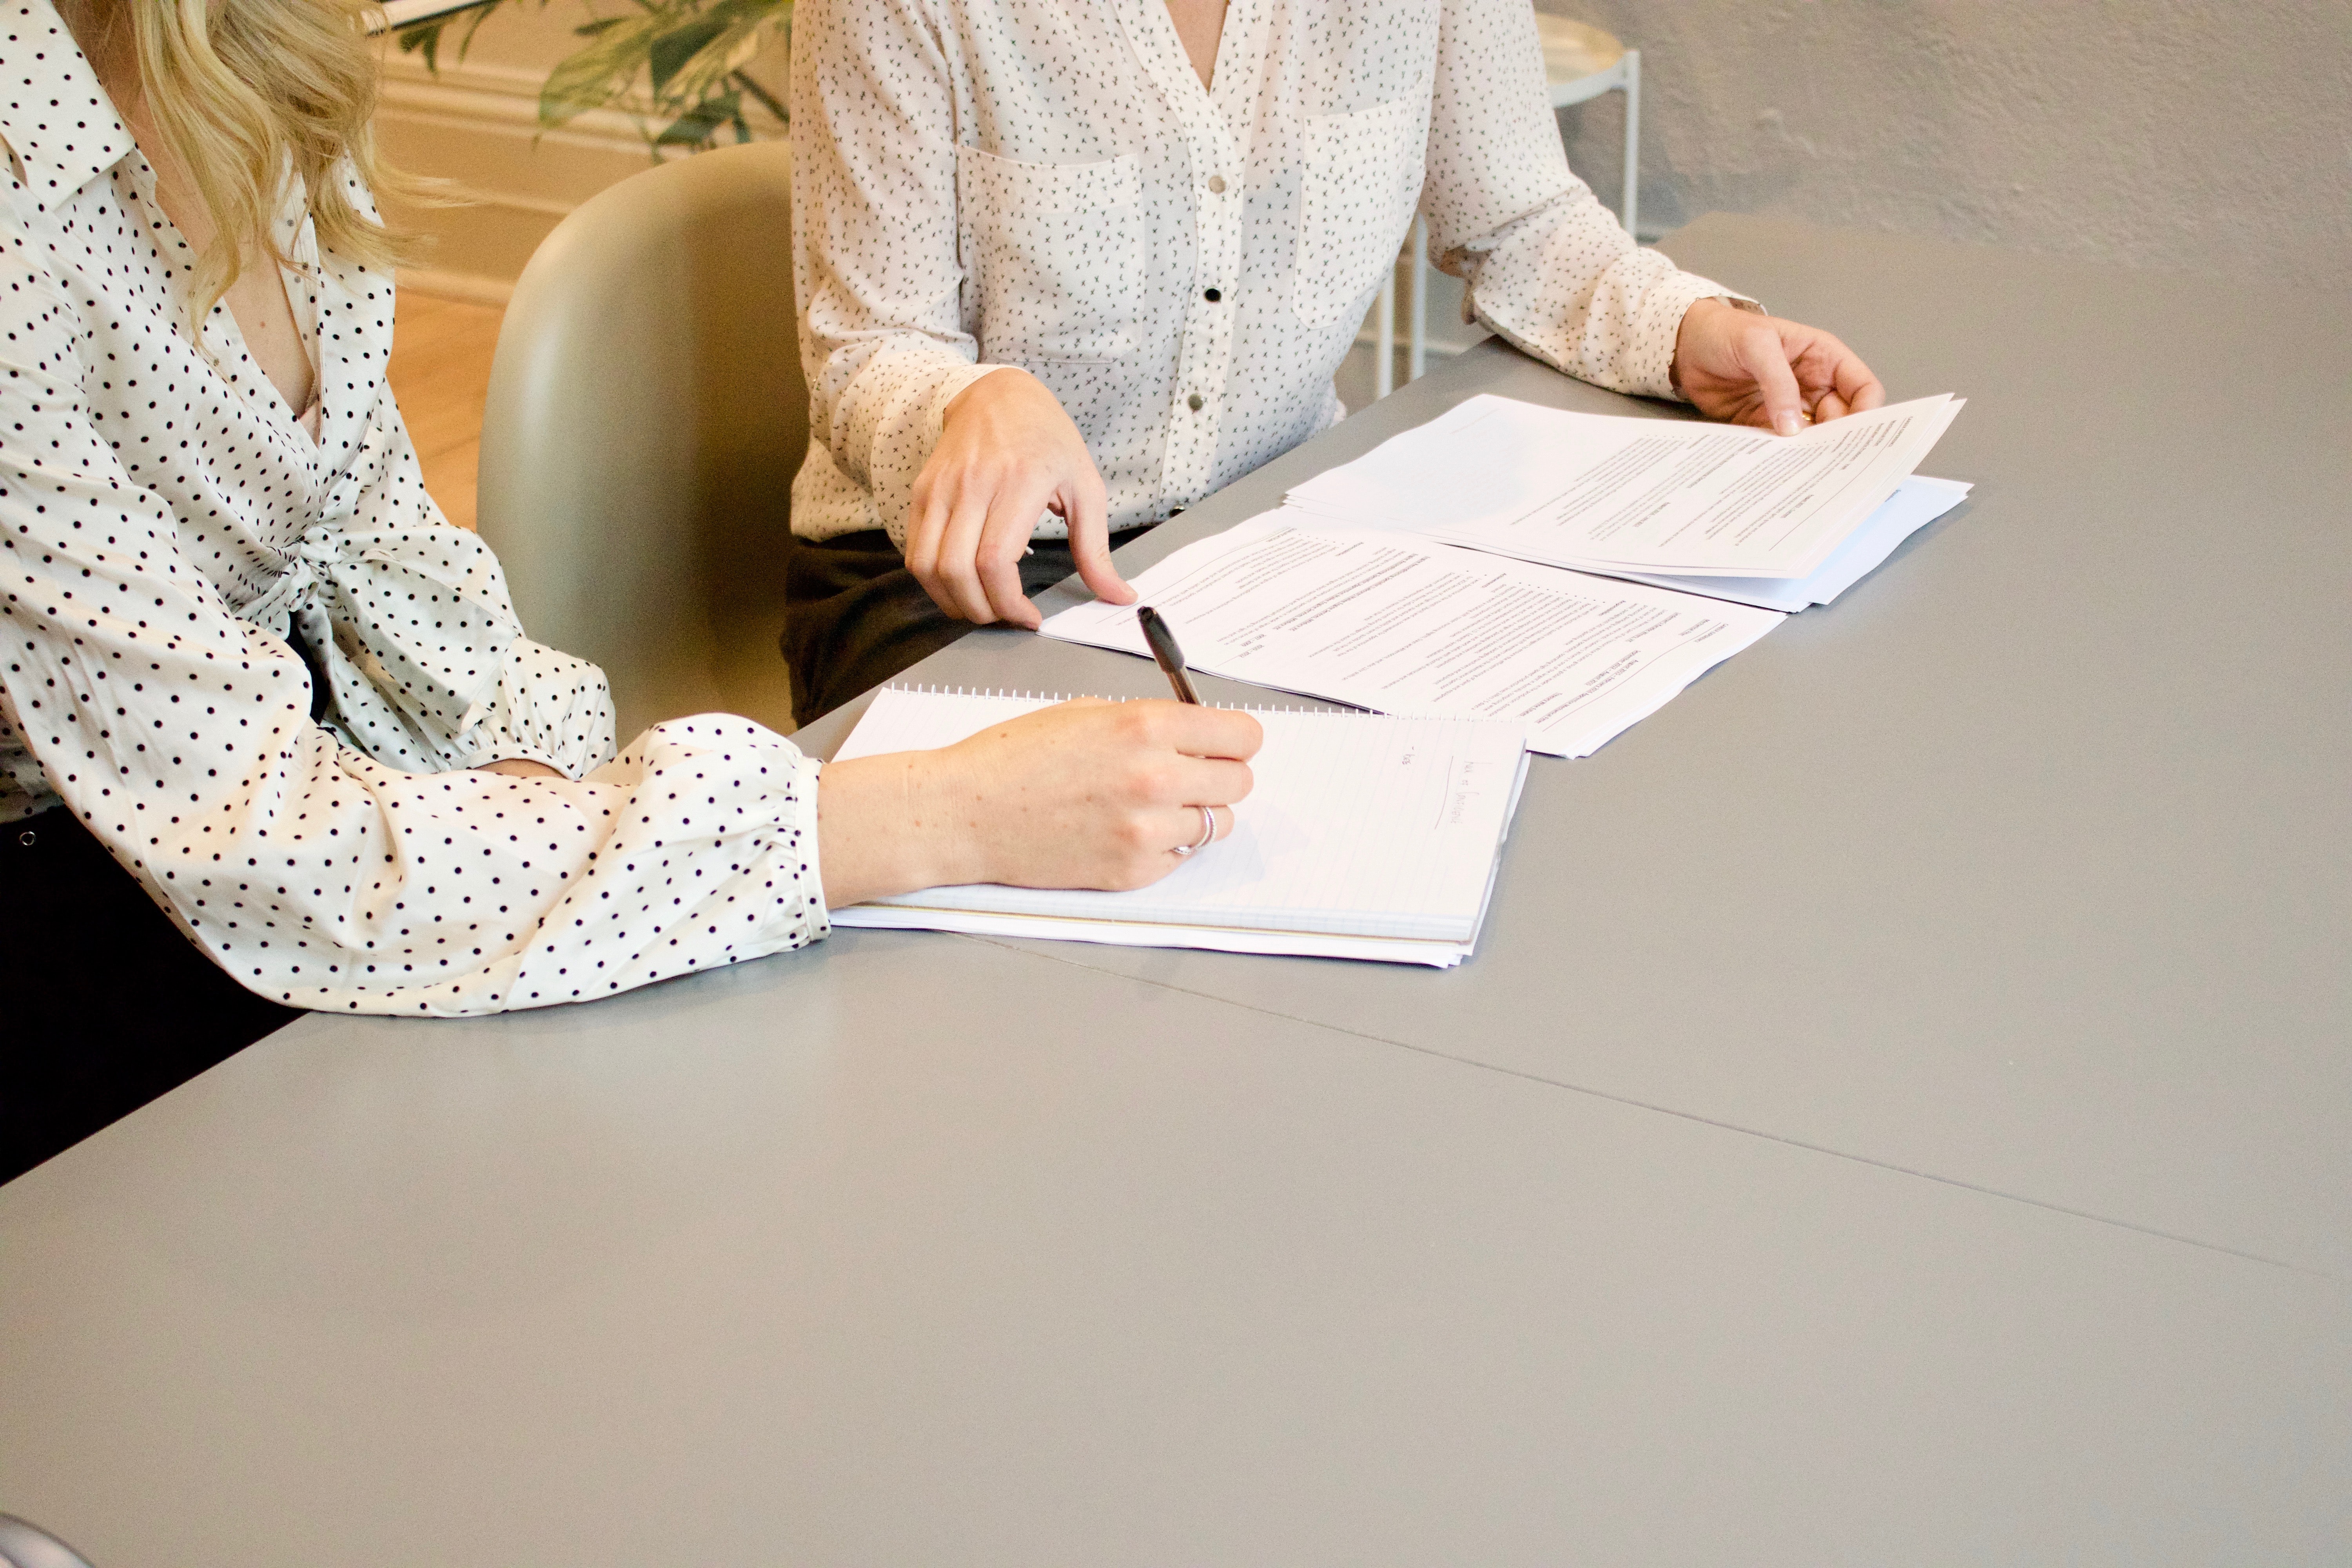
{"x": 270, "y": 737}
{"x": 1067, "y": 266}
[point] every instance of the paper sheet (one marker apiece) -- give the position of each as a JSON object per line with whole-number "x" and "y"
{"x": 1669, "y": 497}
{"x": 1400, "y": 624}
{"x": 1121, "y": 933}
{"x": 1916, "y": 502}
{"x": 1362, "y": 837}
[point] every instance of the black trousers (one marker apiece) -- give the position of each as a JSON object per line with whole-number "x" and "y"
{"x": 855, "y": 617}
{"x": 103, "y": 1003}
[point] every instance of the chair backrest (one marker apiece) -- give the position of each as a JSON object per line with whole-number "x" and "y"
{"x": 24, "y": 1545}
{"x": 647, "y": 413}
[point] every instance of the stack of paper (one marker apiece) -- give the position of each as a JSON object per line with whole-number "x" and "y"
{"x": 1916, "y": 502}
{"x": 1401, "y": 624}
{"x": 1363, "y": 838}
{"x": 1485, "y": 564}
{"x": 1607, "y": 493}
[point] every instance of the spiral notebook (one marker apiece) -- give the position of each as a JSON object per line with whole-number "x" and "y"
{"x": 1364, "y": 837}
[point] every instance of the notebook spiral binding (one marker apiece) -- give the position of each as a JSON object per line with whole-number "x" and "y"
{"x": 928, "y": 690}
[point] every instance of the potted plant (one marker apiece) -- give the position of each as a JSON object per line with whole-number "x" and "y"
{"x": 683, "y": 66}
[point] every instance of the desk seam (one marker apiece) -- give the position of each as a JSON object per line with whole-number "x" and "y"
{"x": 1691, "y": 1116}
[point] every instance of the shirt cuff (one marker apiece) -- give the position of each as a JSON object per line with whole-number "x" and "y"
{"x": 804, "y": 818}
{"x": 1660, "y": 319}
{"x": 921, "y": 404}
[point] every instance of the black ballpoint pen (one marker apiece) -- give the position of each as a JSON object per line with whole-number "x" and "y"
{"x": 1164, "y": 649}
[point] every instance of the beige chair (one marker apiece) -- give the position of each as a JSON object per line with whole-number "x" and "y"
{"x": 647, "y": 413}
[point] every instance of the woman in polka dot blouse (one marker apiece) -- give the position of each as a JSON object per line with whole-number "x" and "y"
{"x": 1068, "y": 266}
{"x": 260, "y": 705}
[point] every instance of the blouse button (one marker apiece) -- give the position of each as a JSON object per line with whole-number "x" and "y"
{"x": 1216, "y": 184}
{"x": 1194, "y": 402}
{"x": 1212, "y": 295}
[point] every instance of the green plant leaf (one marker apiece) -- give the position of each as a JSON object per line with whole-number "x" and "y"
{"x": 722, "y": 42}
{"x": 699, "y": 125}
{"x": 766, "y": 100}
{"x": 689, "y": 53}
{"x": 425, "y": 37}
{"x": 674, "y": 49}
{"x": 592, "y": 77}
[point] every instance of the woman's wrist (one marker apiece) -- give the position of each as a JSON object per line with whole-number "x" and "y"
{"x": 1695, "y": 319}
{"x": 889, "y": 824}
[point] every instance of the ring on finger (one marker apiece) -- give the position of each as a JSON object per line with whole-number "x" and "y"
{"x": 1208, "y": 831}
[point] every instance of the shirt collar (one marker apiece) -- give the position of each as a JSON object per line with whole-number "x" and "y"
{"x": 53, "y": 112}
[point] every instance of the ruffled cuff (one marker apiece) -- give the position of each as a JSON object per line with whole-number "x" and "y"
{"x": 814, "y": 918}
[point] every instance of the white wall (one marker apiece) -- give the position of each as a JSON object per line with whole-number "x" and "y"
{"x": 2189, "y": 135}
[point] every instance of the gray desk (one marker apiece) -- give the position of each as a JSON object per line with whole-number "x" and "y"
{"x": 1895, "y": 1118}
{"x": 2029, "y": 865}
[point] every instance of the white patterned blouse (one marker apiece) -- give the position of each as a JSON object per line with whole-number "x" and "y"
{"x": 1046, "y": 183}
{"x": 169, "y": 530}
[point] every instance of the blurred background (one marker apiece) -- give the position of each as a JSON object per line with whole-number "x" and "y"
{"x": 2185, "y": 136}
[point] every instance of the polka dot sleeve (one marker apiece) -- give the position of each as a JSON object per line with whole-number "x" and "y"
{"x": 881, "y": 330}
{"x": 181, "y": 735}
{"x": 1183, "y": 265}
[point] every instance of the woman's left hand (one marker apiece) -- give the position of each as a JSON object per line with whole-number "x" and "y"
{"x": 1747, "y": 369}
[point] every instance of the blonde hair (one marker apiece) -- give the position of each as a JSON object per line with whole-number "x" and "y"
{"x": 248, "y": 93}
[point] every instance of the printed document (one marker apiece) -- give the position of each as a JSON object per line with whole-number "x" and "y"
{"x": 1401, "y": 624}
{"x": 1916, "y": 502}
{"x": 1612, "y": 493}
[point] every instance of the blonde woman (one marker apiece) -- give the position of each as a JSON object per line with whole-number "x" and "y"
{"x": 270, "y": 737}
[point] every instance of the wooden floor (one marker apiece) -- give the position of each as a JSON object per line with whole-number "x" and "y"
{"x": 440, "y": 371}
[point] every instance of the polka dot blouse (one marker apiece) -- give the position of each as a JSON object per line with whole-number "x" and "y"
{"x": 170, "y": 532}
{"x": 1046, "y": 183}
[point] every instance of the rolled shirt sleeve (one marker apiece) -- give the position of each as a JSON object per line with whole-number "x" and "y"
{"x": 874, "y": 246}
{"x": 1185, "y": 267}
{"x": 1550, "y": 268}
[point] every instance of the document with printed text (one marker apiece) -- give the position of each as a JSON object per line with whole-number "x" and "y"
{"x": 1401, "y": 624}
{"x": 1916, "y": 502}
{"x": 1673, "y": 498}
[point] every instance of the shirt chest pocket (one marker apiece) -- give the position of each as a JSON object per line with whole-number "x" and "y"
{"x": 1360, "y": 180}
{"x": 1055, "y": 252}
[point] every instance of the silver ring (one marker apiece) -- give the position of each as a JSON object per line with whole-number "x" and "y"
{"x": 1208, "y": 831}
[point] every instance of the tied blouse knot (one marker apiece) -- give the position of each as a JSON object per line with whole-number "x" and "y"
{"x": 414, "y": 615}
{"x": 175, "y": 540}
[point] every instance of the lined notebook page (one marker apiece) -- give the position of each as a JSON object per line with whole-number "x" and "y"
{"x": 1358, "y": 825}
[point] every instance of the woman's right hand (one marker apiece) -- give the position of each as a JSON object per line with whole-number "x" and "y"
{"x": 1008, "y": 453}
{"x": 1083, "y": 794}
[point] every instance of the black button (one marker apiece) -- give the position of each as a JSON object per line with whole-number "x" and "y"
{"x": 1213, "y": 295}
